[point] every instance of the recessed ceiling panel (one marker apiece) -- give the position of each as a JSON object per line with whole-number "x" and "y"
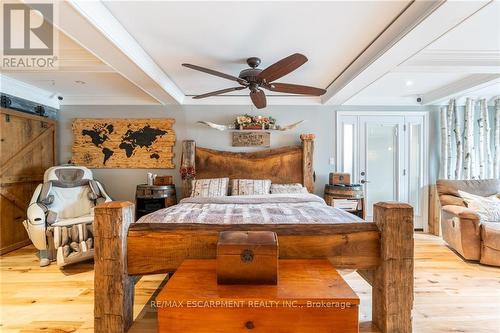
{"x": 83, "y": 78}
{"x": 481, "y": 32}
{"x": 221, "y": 35}
{"x": 87, "y": 88}
{"x": 470, "y": 48}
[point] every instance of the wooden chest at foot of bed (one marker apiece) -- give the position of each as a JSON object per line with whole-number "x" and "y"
{"x": 310, "y": 297}
{"x": 247, "y": 257}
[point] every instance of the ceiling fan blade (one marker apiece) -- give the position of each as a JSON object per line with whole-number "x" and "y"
{"x": 258, "y": 98}
{"x": 294, "y": 89}
{"x": 216, "y": 73}
{"x": 218, "y": 92}
{"x": 282, "y": 67}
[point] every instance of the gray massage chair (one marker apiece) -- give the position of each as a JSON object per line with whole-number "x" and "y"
{"x": 61, "y": 213}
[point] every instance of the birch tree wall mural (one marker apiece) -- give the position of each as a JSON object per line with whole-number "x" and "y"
{"x": 480, "y": 125}
{"x": 458, "y": 141}
{"x": 444, "y": 144}
{"x": 449, "y": 143}
{"x": 468, "y": 138}
{"x": 473, "y": 153}
{"x": 488, "y": 167}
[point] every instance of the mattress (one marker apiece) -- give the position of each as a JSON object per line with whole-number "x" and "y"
{"x": 269, "y": 209}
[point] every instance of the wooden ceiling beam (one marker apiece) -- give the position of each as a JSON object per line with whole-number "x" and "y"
{"x": 91, "y": 25}
{"x": 452, "y": 61}
{"x": 459, "y": 88}
{"x": 27, "y": 91}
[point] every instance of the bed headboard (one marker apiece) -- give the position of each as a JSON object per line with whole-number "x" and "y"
{"x": 293, "y": 164}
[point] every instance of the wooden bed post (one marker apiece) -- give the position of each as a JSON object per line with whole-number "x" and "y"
{"x": 113, "y": 287}
{"x": 188, "y": 168}
{"x": 307, "y": 161}
{"x": 392, "y": 296}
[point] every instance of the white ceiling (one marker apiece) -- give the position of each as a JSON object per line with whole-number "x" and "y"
{"x": 362, "y": 52}
{"x": 456, "y": 58}
{"x": 221, "y": 35}
{"x": 481, "y": 32}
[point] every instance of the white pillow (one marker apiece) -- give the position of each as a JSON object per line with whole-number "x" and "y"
{"x": 250, "y": 186}
{"x": 212, "y": 187}
{"x": 288, "y": 188}
{"x": 488, "y": 208}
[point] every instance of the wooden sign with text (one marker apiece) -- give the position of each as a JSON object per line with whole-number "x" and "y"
{"x": 251, "y": 139}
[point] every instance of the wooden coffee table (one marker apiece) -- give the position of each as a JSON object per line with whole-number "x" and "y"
{"x": 310, "y": 297}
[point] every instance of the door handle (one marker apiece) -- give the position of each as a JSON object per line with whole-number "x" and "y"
{"x": 364, "y": 181}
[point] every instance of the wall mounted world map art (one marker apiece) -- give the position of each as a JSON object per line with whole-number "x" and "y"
{"x": 124, "y": 143}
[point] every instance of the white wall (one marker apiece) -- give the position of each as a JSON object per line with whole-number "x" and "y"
{"x": 121, "y": 183}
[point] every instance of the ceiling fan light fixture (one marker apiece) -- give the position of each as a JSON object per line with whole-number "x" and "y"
{"x": 253, "y": 62}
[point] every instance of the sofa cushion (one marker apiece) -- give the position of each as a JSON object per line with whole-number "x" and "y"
{"x": 461, "y": 211}
{"x": 448, "y": 189}
{"x": 490, "y": 235}
{"x": 488, "y": 208}
{"x": 448, "y": 199}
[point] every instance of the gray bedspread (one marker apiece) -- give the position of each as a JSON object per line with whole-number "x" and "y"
{"x": 252, "y": 209}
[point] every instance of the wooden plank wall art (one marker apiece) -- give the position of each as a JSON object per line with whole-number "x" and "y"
{"x": 251, "y": 139}
{"x": 124, "y": 143}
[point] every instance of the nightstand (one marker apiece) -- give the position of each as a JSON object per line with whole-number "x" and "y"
{"x": 346, "y": 197}
{"x": 150, "y": 198}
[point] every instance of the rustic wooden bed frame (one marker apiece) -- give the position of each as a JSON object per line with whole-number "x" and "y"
{"x": 381, "y": 251}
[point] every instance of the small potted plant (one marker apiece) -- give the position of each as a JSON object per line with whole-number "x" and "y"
{"x": 248, "y": 122}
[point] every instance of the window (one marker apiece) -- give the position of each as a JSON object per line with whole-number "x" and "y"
{"x": 348, "y": 149}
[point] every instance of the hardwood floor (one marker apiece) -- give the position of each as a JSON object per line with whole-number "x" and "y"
{"x": 450, "y": 295}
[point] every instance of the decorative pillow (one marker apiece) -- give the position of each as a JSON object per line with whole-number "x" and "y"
{"x": 288, "y": 188}
{"x": 250, "y": 186}
{"x": 213, "y": 187}
{"x": 488, "y": 208}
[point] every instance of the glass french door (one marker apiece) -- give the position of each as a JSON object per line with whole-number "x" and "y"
{"x": 380, "y": 159}
{"x": 385, "y": 153}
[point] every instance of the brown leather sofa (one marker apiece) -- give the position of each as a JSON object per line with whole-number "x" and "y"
{"x": 461, "y": 226}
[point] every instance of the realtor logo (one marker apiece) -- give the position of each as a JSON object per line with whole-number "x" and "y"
{"x": 28, "y": 36}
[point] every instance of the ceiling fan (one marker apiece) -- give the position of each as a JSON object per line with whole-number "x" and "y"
{"x": 255, "y": 78}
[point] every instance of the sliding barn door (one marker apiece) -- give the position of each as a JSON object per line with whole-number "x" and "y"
{"x": 27, "y": 149}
